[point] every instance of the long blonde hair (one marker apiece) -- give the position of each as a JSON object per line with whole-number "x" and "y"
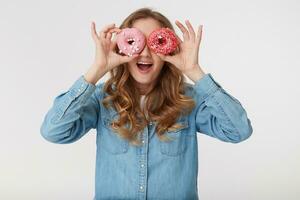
{"x": 163, "y": 104}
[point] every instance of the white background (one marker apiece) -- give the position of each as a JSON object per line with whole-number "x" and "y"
{"x": 250, "y": 47}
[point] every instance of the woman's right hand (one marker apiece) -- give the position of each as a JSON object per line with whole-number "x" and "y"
{"x": 106, "y": 58}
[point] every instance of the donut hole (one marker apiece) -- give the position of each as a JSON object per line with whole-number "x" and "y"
{"x": 130, "y": 41}
{"x": 161, "y": 40}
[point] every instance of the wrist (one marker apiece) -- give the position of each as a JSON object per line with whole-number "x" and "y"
{"x": 195, "y": 73}
{"x": 94, "y": 74}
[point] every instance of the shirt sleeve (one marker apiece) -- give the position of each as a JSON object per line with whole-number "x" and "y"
{"x": 219, "y": 114}
{"x": 72, "y": 114}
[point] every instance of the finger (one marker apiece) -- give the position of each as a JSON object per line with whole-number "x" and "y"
{"x": 178, "y": 38}
{"x": 125, "y": 59}
{"x": 167, "y": 58}
{"x": 191, "y": 30}
{"x": 111, "y": 31}
{"x": 113, "y": 45}
{"x": 105, "y": 29}
{"x": 93, "y": 32}
{"x": 183, "y": 30}
{"x": 199, "y": 35}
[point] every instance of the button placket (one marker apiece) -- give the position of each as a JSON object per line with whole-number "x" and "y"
{"x": 150, "y": 129}
{"x": 142, "y": 166}
{"x": 142, "y": 175}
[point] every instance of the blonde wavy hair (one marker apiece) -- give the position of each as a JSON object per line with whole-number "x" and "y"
{"x": 163, "y": 104}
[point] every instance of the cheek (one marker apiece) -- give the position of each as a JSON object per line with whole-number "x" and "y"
{"x": 157, "y": 60}
{"x": 159, "y": 67}
{"x": 131, "y": 65}
{"x": 160, "y": 63}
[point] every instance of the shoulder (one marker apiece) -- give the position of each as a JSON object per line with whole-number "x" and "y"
{"x": 100, "y": 85}
{"x": 100, "y": 88}
{"x": 188, "y": 88}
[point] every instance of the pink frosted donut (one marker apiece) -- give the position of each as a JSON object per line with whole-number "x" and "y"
{"x": 130, "y": 41}
{"x": 162, "y": 40}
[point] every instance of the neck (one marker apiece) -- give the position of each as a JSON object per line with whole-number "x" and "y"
{"x": 144, "y": 88}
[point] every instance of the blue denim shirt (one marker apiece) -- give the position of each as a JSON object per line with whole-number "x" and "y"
{"x": 156, "y": 170}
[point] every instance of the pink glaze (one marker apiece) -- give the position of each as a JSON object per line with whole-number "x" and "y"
{"x": 131, "y": 41}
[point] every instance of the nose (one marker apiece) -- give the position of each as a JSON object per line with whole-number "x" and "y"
{"x": 146, "y": 51}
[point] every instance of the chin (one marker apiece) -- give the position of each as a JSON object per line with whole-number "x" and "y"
{"x": 142, "y": 80}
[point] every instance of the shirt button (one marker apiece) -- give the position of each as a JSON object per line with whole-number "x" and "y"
{"x": 143, "y": 141}
{"x": 142, "y": 165}
{"x": 141, "y": 187}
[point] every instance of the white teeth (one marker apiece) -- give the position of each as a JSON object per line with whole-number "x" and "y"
{"x": 144, "y": 63}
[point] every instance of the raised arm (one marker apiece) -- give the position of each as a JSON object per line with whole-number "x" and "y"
{"x": 218, "y": 114}
{"x": 73, "y": 113}
{"x": 76, "y": 111}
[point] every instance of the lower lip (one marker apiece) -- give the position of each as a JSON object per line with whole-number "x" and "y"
{"x": 146, "y": 70}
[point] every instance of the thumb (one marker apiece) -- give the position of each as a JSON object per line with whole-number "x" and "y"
{"x": 166, "y": 58}
{"x": 125, "y": 59}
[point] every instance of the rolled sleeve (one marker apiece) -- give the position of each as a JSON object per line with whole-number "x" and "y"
{"x": 219, "y": 114}
{"x": 80, "y": 91}
{"x": 73, "y": 113}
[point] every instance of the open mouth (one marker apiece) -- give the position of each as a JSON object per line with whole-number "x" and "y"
{"x": 144, "y": 66}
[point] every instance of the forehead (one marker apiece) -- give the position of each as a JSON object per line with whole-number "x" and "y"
{"x": 146, "y": 25}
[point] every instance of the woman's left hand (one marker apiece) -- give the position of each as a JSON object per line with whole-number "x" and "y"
{"x": 187, "y": 58}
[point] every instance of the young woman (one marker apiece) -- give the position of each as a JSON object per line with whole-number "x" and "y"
{"x": 146, "y": 123}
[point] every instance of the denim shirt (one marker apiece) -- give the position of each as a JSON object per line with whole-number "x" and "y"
{"x": 157, "y": 169}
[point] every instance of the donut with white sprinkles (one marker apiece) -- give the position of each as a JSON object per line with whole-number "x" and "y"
{"x": 130, "y": 41}
{"x": 163, "y": 41}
